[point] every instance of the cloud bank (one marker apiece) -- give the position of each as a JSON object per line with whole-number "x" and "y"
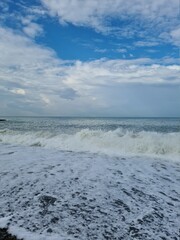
{"x": 35, "y": 81}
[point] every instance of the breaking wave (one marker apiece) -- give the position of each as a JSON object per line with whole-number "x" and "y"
{"x": 117, "y": 142}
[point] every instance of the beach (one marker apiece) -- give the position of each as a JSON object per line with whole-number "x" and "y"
{"x": 50, "y": 194}
{"x": 89, "y": 178}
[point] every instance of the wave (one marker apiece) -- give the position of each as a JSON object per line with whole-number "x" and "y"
{"x": 117, "y": 142}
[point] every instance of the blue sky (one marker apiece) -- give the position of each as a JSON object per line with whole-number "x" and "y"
{"x": 90, "y": 58}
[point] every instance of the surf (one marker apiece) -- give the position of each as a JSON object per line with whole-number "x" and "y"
{"x": 117, "y": 142}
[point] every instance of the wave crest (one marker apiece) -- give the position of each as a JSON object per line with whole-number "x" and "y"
{"x": 117, "y": 142}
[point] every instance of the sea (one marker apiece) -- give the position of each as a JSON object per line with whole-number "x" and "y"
{"x": 153, "y": 137}
{"x": 90, "y": 178}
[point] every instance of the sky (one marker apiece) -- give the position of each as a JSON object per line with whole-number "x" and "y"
{"x": 90, "y": 58}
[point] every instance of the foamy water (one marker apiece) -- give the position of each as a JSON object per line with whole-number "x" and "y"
{"x": 151, "y": 137}
{"x": 55, "y": 185}
{"x": 115, "y": 142}
{"x": 59, "y": 195}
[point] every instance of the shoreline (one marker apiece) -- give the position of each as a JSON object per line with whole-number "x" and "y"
{"x": 68, "y": 195}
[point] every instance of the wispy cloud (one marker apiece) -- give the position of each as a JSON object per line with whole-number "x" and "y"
{"x": 146, "y": 43}
{"x": 31, "y": 28}
{"x": 121, "y": 50}
{"x": 22, "y": 18}
{"x": 19, "y": 91}
{"x": 101, "y": 50}
{"x": 145, "y": 18}
{"x": 175, "y": 34}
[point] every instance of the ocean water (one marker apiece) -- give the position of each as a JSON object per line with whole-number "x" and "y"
{"x": 90, "y": 178}
{"x": 156, "y": 137}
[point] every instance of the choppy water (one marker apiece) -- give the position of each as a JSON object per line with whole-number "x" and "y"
{"x": 113, "y": 136}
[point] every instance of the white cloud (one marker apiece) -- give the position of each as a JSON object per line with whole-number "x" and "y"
{"x": 82, "y": 12}
{"x": 26, "y": 65}
{"x": 152, "y": 17}
{"x": 32, "y": 30}
{"x": 18, "y": 91}
{"x": 154, "y": 22}
{"x": 52, "y": 86}
{"x": 22, "y": 18}
{"x": 104, "y": 72}
{"x": 121, "y": 50}
{"x": 36, "y": 11}
{"x": 101, "y": 50}
{"x": 45, "y": 99}
{"x": 175, "y": 34}
{"x": 29, "y": 27}
{"x": 146, "y": 43}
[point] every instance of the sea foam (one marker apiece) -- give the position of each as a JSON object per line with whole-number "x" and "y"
{"x": 117, "y": 142}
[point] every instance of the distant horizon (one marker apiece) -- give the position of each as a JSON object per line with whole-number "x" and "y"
{"x": 1, "y": 117}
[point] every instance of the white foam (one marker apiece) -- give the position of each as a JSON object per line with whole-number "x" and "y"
{"x": 118, "y": 142}
{"x": 86, "y": 187}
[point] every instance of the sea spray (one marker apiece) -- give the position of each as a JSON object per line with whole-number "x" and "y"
{"x": 116, "y": 142}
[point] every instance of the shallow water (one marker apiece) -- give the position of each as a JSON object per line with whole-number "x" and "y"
{"x": 90, "y": 178}
{"x": 156, "y": 137}
{"x": 48, "y": 194}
